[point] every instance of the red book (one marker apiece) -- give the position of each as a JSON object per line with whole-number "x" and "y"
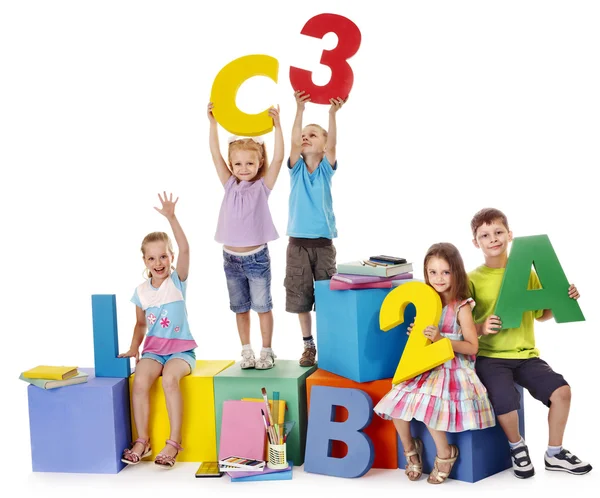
{"x": 339, "y": 285}
{"x": 365, "y": 279}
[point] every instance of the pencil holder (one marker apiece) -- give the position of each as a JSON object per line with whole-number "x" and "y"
{"x": 277, "y": 456}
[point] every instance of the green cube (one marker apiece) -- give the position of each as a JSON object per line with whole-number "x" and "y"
{"x": 287, "y": 377}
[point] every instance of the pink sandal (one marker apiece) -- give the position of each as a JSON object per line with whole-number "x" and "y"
{"x": 130, "y": 457}
{"x": 167, "y": 461}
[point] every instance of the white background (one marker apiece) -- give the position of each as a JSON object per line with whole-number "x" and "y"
{"x": 456, "y": 106}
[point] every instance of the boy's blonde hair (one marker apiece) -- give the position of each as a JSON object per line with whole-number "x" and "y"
{"x": 319, "y": 127}
{"x": 156, "y": 237}
{"x": 251, "y": 145}
{"x": 460, "y": 280}
{"x": 487, "y": 216}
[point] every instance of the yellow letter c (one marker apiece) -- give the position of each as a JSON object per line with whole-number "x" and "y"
{"x": 224, "y": 92}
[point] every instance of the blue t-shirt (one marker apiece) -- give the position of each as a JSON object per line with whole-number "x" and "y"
{"x": 311, "y": 206}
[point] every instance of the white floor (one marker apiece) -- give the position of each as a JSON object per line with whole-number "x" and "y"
{"x": 145, "y": 478}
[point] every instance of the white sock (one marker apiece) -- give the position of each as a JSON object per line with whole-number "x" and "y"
{"x": 553, "y": 450}
{"x": 247, "y": 347}
{"x": 266, "y": 350}
{"x": 520, "y": 442}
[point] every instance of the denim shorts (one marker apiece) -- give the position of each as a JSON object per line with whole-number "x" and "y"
{"x": 249, "y": 281}
{"x": 187, "y": 356}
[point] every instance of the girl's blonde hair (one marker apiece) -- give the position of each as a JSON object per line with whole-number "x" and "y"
{"x": 251, "y": 145}
{"x": 460, "y": 281}
{"x": 156, "y": 237}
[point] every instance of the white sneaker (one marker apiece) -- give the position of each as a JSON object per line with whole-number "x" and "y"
{"x": 266, "y": 360}
{"x": 565, "y": 461}
{"x": 248, "y": 360}
{"x": 521, "y": 463}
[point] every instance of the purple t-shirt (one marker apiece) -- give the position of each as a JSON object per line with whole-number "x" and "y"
{"x": 245, "y": 219}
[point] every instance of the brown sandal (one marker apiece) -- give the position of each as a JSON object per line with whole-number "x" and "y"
{"x": 437, "y": 476}
{"x": 130, "y": 457}
{"x": 168, "y": 461}
{"x": 415, "y": 468}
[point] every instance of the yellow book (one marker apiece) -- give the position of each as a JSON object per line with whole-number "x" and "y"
{"x": 281, "y": 408}
{"x": 50, "y": 372}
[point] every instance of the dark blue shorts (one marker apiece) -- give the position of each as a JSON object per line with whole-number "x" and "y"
{"x": 500, "y": 374}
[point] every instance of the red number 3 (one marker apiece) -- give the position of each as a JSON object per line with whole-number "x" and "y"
{"x": 342, "y": 76}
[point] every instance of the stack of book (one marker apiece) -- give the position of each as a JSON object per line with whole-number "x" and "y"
{"x": 50, "y": 377}
{"x": 244, "y": 469}
{"x": 377, "y": 272}
{"x": 240, "y": 464}
{"x": 267, "y": 474}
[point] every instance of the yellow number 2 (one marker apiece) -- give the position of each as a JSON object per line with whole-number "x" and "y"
{"x": 419, "y": 353}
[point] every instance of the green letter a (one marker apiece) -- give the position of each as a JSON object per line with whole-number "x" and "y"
{"x": 515, "y": 299}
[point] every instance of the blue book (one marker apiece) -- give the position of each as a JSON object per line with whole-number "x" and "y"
{"x": 266, "y": 475}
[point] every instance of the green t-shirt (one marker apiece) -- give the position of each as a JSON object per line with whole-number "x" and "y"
{"x": 517, "y": 343}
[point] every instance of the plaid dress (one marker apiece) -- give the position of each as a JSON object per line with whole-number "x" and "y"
{"x": 449, "y": 397}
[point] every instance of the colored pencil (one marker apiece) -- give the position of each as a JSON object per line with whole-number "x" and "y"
{"x": 276, "y": 415}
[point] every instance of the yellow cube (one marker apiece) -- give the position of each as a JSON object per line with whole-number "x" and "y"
{"x": 199, "y": 437}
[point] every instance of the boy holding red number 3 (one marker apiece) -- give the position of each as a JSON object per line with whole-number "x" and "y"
{"x": 311, "y": 224}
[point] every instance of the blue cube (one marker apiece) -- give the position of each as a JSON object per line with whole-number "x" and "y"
{"x": 349, "y": 340}
{"x": 81, "y": 428}
{"x": 482, "y": 453}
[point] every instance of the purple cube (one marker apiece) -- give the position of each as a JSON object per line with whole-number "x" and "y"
{"x": 81, "y": 428}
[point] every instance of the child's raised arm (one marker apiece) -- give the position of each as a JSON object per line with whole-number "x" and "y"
{"x": 183, "y": 258}
{"x": 336, "y": 105}
{"x": 213, "y": 141}
{"x": 275, "y": 166}
{"x": 296, "y": 149}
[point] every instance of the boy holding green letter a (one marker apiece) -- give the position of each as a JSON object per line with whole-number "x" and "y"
{"x": 509, "y": 355}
